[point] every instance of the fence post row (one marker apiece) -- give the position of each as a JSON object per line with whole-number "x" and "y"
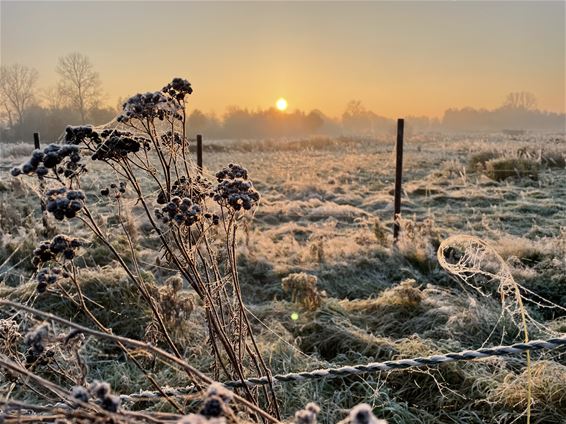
{"x": 398, "y": 178}
{"x": 398, "y": 170}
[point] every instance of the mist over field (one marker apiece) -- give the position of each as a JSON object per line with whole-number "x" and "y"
{"x": 282, "y": 212}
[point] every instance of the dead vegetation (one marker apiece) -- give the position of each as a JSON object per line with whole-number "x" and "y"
{"x": 322, "y": 283}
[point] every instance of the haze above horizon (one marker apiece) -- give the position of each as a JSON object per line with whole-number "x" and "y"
{"x": 398, "y": 58}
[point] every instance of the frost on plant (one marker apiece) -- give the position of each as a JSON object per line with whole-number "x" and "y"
{"x": 195, "y": 220}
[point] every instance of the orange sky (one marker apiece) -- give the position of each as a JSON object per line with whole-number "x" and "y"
{"x": 399, "y": 58}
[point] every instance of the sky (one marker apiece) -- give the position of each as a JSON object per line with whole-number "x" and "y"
{"x": 399, "y": 58}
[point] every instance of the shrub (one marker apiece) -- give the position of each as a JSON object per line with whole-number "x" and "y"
{"x": 553, "y": 159}
{"x": 503, "y": 168}
{"x": 303, "y": 289}
{"x": 477, "y": 161}
{"x": 16, "y": 149}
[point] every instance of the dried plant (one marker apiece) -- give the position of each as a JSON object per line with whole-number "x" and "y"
{"x": 479, "y": 265}
{"x": 195, "y": 217}
{"x": 303, "y": 290}
{"x": 362, "y": 414}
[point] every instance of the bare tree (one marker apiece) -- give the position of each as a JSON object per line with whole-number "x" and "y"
{"x": 5, "y": 112}
{"x": 79, "y": 83}
{"x": 17, "y": 84}
{"x": 354, "y": 108}
{"x": 53, "y": 98}
{"x": 521, "y": 100}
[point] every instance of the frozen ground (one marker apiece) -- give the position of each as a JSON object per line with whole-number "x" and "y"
{"x": 326, "y": 210}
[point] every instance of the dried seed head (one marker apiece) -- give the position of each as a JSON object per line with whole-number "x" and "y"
{"x": 175, "y": 282}
{"x": 36, "y": 340}
{"x": 64, "y": 160}
{"x": 80, "y": 393}
{"x": 64, "y": 203}
{"x": 307, "y": 415}
{"x": 111, "y": 403}
{"x": 217, "y": 389}
{"x": 100, "y": 389}
{"x": 362, "y": 414}
{"x": 213, "y": 407}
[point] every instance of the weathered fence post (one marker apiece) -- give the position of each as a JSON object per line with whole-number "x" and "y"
{"x": 199, "y": 151}
{"x": 398, "y": 178}
{"x": 44, "y": 219}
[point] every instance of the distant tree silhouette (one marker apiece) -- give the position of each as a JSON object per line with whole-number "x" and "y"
{"x": 314, "y": 121}
{"x": 356, "y": 119}
{"x": 52, "y": 98}
{"x": 197, "y": 121}
{"x": 51, "y": 122}
{"x": 520, "y": 100}
{"x": 79, "y": 84}
{"x": 17, "y": 84}
{"x": 518, "y": 112}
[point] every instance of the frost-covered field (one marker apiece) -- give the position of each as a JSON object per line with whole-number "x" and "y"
{"x": 326, "y": 211}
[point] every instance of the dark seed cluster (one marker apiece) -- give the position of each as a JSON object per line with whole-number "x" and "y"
{"x": 180, "y": 211}
{"x": 63, "y": 203}
{"x": 118, "y": 190}
{"x": 80, "y": 393}
{"x": 212, "y": 407}
{"x": 51, "y": 157}
{"x": 36, "y": 341}
{"x": 197, "y": 189}
{"x": 102, "y": 391}
{"x": 81, "y": 134}
{"x": 148, "y": 106}
{"x": 236, "y": 194}
{"x": 234, "y": 190}
{"x": 233, "y": 171}
{"x": 178, "y": 88}
{"x": 60, "y": 246}
{"x": 49, "y": 276}
{"x": 118, "y": 144}
{"x": 172, "y": 138}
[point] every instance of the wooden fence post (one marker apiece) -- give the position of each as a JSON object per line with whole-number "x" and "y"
{"x": 36, "y": 140}
{"x": 44, "y": 219}
{"x": 398, "y": 178}
{"x": 199, "y": 151}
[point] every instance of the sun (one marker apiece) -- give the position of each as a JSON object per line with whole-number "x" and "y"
{"x": 281, "y": 104}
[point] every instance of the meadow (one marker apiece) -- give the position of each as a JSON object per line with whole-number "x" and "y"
{"x": 322, "y": 285}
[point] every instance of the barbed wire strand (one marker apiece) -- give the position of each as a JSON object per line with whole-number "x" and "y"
{"x": 345, "y": 371}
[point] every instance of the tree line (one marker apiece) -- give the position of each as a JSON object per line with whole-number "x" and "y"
{"x": 77, "y": 99}
{"x": 518, "y": 112}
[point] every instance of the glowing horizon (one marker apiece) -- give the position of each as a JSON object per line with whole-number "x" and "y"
{"x": 398, "y": 59}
